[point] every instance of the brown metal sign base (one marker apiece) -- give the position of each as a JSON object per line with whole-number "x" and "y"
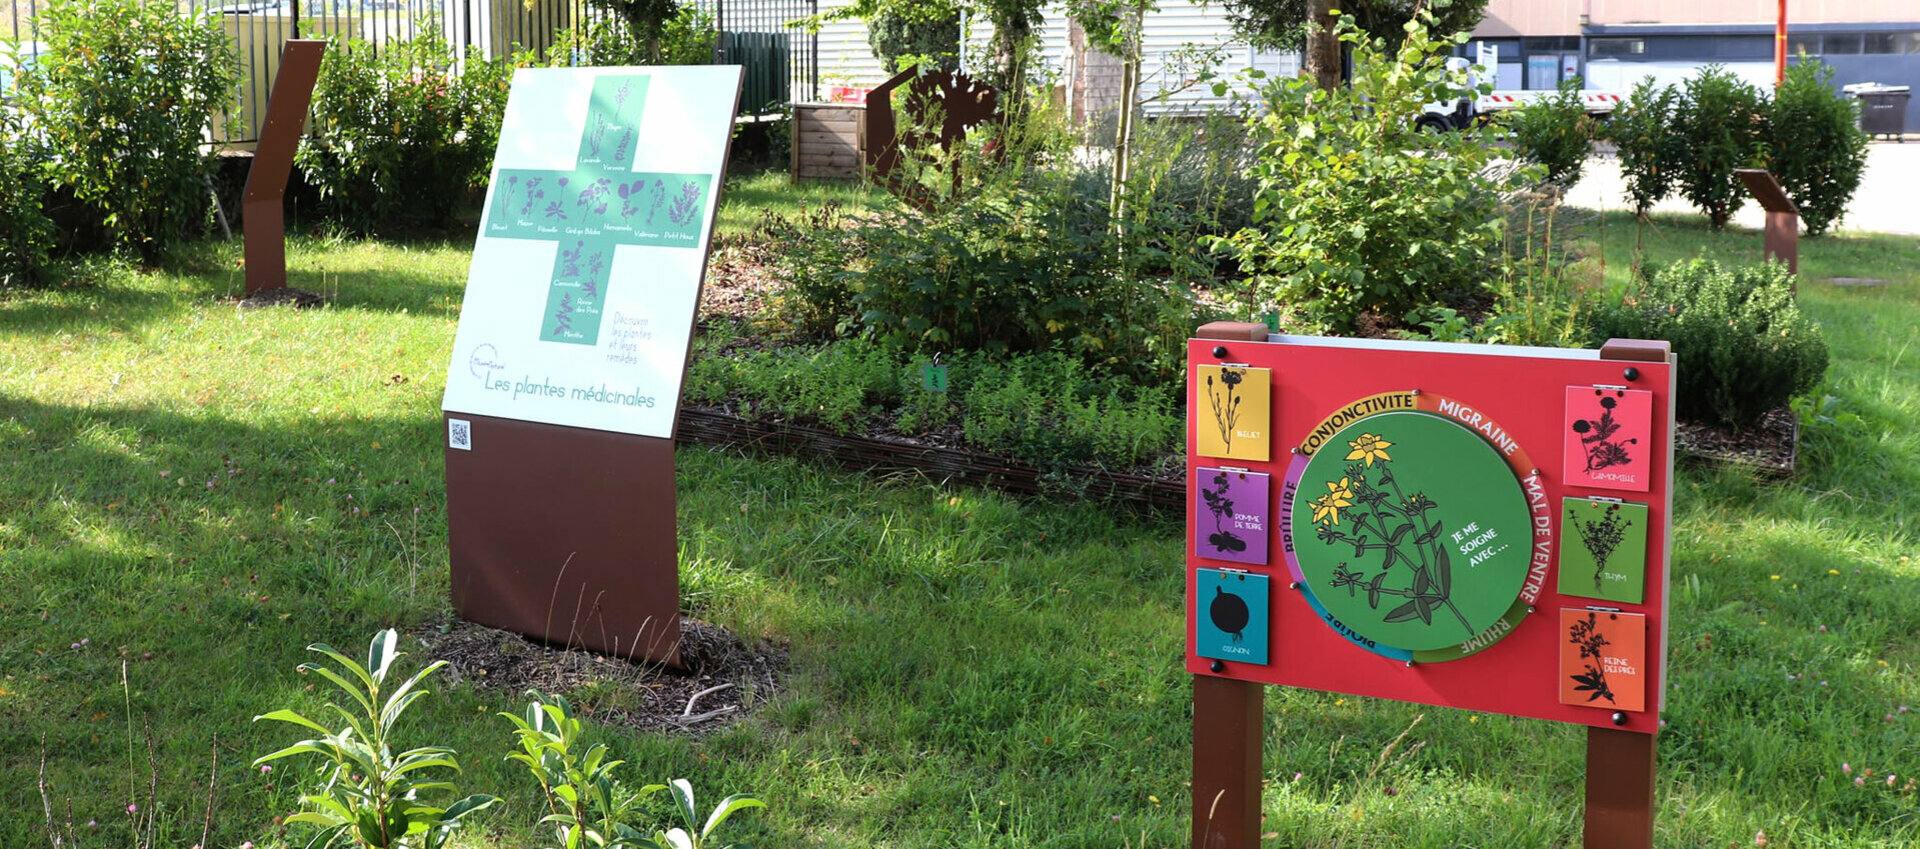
{"x": 263, "y": 213}
{"x": 567, "y": 535}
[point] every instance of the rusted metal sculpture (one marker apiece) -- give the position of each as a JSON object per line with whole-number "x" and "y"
{"x": 1783, "y": 217}
{"x": 938, "y": 108}
{"x": 263, "y": 208}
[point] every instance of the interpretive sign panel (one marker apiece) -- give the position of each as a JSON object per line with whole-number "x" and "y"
{"x": 566, "y": 368}
{"x": 580, "y": 299}
{"x": 1427, "y": 501}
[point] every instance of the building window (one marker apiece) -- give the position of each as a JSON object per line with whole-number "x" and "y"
{"x": 1880, "y": 43}
{"x": 1607, "y": 48}
{"x": 1807, "y": 44}
{"x": 1908, "y": 43}
{"x": 1840, "y": 44}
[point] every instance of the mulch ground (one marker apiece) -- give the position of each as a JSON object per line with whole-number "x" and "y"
{"x": 725, "y": 677}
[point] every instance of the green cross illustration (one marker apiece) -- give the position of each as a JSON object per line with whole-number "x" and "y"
{"x": 600, "y": 204}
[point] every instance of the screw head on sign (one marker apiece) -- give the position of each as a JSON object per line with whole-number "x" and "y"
{"x": 1619, "y": 718}
{"x": 1220, "y": 352}
{"x": 1217, "y": 666}
{"x": 1630, "y": 373}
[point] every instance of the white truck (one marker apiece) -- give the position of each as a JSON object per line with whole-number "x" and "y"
{"x": 1462, "y": 112}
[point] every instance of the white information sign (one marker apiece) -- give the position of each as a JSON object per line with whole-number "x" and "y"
{"x": 586, "y": 273}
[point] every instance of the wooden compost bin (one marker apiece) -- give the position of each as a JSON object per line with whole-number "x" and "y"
{"x": 829, "y": 140}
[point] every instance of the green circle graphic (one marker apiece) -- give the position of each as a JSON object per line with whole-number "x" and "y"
{"x": 1411, "y": 530}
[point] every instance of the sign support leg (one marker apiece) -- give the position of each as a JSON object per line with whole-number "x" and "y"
{"x": 1227, "y": 736}
{"x": 1620, "y": 767}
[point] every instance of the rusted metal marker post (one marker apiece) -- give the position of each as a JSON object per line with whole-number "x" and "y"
{"x": 263, "y": 209}
{"x": 1783, "y": 217}
{"x": 1505, "y": 451}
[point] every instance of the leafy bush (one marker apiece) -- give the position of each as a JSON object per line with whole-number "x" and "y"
{"x": 371, "y": 795}
{"x": 1643, "y": 135}
{"x": 400, "y": 137}
{"x": 1357, "y": 209}
{"x": 25, "y": 233}
{"x": 1817, "y": 149}
{"x": 1555, "y": 132}
{"x": 899, "y": 39}
{"x": 687, "y": 38}
{"x": 1719, "y": 123}
{"x": 1742, "y": 344}
{"x": 120, "y": 99}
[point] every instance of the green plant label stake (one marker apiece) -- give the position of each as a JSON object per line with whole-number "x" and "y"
{"x": 933, "y": 377}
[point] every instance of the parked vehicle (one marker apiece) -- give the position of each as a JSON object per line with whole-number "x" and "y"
{"x": 1464, "y": 111}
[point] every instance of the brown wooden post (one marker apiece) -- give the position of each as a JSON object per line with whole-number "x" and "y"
{"x": 1620, "y": 763}
{"x": 1782, "y": 240}
{"x": 1228, "y": 717}
{"x": 262, "y": 209}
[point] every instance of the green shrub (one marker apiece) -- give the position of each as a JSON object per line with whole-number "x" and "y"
{"x": 1817, "y": 149}
{"x": 899, "y": 39}
{"x": 121, "y": 98}
{"x": 1643, "y": 135}
{"x": 1555, "y": 132}
{"x": 25, "y": 233}
{"x": 400, "y": 137}
{"x": 1357, "y": 209}
{"x": 687, "y": 38}
{"x": 1742, "y": 345}
{"x": 1719, "y": 123}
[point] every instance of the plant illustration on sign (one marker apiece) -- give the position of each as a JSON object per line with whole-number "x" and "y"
{"x": 620, "y": 150}
{"x": 563, "y": 317}
{"x": 570, "y": 260}
{"x": 1596, "y": 436}
{"x": 1229, "y": 613}
{"x": 593, "y": 198}
{"x": 594, "y": 135}
{"x": 687, "y": 205}
{"x": 533, "y": 194}
{"x": 1220, "y": 504}
{"x": 1586, "y": 634}
{"x": 659, "y": 197}
{"x": 1386, "y": 520}
{"x": 1226, "y": 402}
{"x": 1601, "y": 536}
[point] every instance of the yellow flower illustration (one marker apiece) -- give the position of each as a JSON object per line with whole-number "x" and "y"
{"x": 1326, "y": 508}
{"x": 1369, "y": 448}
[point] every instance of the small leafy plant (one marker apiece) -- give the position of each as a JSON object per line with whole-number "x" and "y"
{"x": 1817, "y": 148}
{"x": 371, "y": 796}
{"x": 588, "y": 805}
{"x": 1555, "y": 132}
{"x": 1601, "y": 536}
{"x": 1383, "y": 521}
{"x": 1586, "y": 634}
{"x": 1720, "y": 121}
{"x": 1642, "y": 133}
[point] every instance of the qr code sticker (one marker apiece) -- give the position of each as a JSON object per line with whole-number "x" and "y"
{"x": 460, "y": 434}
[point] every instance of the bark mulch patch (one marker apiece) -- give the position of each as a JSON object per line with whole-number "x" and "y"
{"x": 285, "y": 295}
{"x": 1768, "y": 449}
{"x": 726, "y": 678}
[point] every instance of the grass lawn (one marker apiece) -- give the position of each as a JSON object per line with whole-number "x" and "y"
{"x": 189, "y": 494}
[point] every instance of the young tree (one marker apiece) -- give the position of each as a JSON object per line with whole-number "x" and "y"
{"x": 645, "y": 20}
{"x": 1283, "y": 24}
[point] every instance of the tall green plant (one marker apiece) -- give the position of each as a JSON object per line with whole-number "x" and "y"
{"x": 26, "y": 235}
{"x": 588, "y": 805}
{"x": 122, "y": 95}
{"x": 1643, "y": 134}
{"x": 1358, "y": 210}
{"x": 371, "y": 796}
{"x": 1818, "y": 151}
{"x": 1720, "y": 121}
{"x": 1555, "y": 132}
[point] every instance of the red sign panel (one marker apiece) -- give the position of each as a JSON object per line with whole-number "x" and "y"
{"x": 1391, "y": 519}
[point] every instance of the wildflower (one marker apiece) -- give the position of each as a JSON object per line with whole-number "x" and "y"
{"x": 84, "y": 641}
{"x": 1772, "y": 577}
{"x": 1299, "y": 775}
{"x": 131, "y": 808}
{"x": 1890, "y": 777}
{"x": 1823, "y": 629}
{"x": 266, "y": 768}
{"x": 1760, "y": 838}
{"x": 1369, "y": 447}
{"x": 1846, "y": 768}
{"x": 1859, "y": 782}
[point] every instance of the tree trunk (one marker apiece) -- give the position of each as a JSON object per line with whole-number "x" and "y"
{"x": 1323, "y": 49}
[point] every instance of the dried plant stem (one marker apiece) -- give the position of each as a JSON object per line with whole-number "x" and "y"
{"x": 46, "y": 802}
{"x": 213, "y": 786}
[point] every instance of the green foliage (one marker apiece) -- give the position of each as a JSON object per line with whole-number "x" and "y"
{"x": 25, "y": 232}
{"x": 1718, "y": 123}
{"x": 1642, "y": 130}
{"x": 1743, "y": 346}
{"x": 646, "y": 21}
{"x": 899, "y": 40}
{"x": 1046, "y": 409}
{"x": 370, "y": 796}
{"x": 1282, "y": 24}
{"x": 1021, "y": 257}
{"x": 588, "y": 805}
{"x": 1554, "y": 132}
{"x": 1357, "y": 209}
{"x": 687, "y": 37}
{"x": 120, "y": 99}
{"x": 1818, "y": 152}
{"x": 401, "y": 137}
